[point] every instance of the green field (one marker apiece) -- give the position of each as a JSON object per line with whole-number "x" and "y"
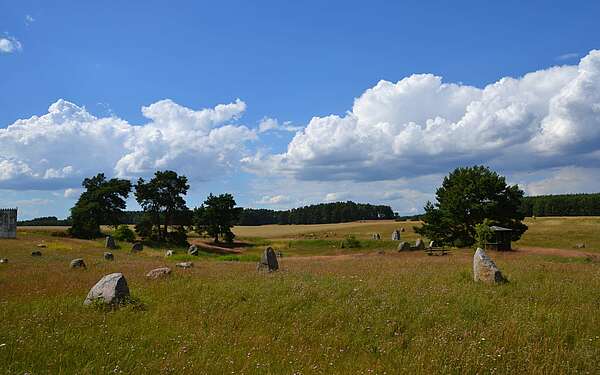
{"x": 352, "y": 311}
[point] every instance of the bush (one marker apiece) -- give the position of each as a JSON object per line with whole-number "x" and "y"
{"x": 144, "y": 227}
{"x": 350, "y": 242}
{"x": 178, "y": 237}
{"x": 123, "y": 233}
{"x": 483, "y": 233}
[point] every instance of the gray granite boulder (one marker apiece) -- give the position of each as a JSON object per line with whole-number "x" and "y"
{"x": 403, "y": 246}
{"x": 111, "y": 289}
{"x": 77, "y": 263}
{"x": 268, "y": 261}
{"x": 109, "y": 256}
{"x": 36, "y": 253}
{"x": 158, "y": 273}
{"x": 484, "y": 269}
{"x": 109, "y": 243}
{"x": 169, "y": 253}
{"x": 419, "y": 244}
{"x": 185, "y": 265}
{"x": 137, "y": 247}
{"x": 396, "y": 235}
{"x": 193, "y": 250}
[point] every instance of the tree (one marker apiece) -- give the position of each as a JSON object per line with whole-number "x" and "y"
{"x": 466, "y": 198}
{"x": 102, "y": 202}
{"x": 217, "y": 216}
{"x": 162, "y": 198}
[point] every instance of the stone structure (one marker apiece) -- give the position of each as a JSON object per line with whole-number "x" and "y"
{"x": 185, "y": 265}
{"x": 109, "y": 256}
{"x": 137, "y": 247}
{"x": 419, "y": 244}
{"x": 169, "y": 253}
{"x": 193, "y": 250}
{"x": 268, "y": 261}
{"x": 158, "y": 273}
{"x": 403, "y": 246}
{"x": 111, "y": 289}
{"x": 396, "y": 235}
{"x": 484, "y": 269}
{"x": 3, "y": 260}
{"x": 77, "y": 263}
{"x": 110, "y": 243}
{"x": 8, "y": 223}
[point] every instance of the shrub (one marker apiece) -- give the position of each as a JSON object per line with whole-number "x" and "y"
{"x": 123, "y": 233}
{"x": 483, "y": 233}
{"x": 350, "y": 242}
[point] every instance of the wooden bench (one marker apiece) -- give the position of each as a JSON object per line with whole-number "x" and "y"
{"x": 437, "y": 251}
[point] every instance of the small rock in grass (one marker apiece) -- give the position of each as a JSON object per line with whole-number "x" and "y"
{"x": 137, "y": 247}
{"x": 158, "y": 273}
{"x": 109, "y": 256}
{"x": 109, "y": 243}
{"x": 268, "y": 261}
{"x": 78, "y": 263}
{"x": 419, "y": 244}
{"x": 396, "y": 235}
{"x": 193, "y": 250}
{"x": 3, "y": 260}
{"x": 41, "y": 245}
{"x": 169, "y": 253}
{"x": 484, "y": 269}
{"x": 403, "y": 246}
{"x": 111, "y": 289}
{"x": 185, "y": 265}
{"x": 402, "y": 229}
{"x": 36, "y": 253}
{"x": 580, "y": 245}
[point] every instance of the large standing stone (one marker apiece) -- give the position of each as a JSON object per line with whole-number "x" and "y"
{"x": 403, "y": 246}
{"x": 396, "y": 235}
{"x": 36, "y": 253}
{"x": 268, "y": 261}
{"x": 185, "y": 265}
{"x": 419, "y": 244}
{"x": 111, "y": 289}
{"x": 137, "y": 247}
{"x": 484, "y": 269}
{"x": 193, "y": 250}
{"x": 158, "y": 273}
{"x": 109, "y": 256}
{"x": 77, "y": 263}
{"x": 109, "y": 243}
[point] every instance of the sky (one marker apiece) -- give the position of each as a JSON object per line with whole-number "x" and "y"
{"x": 285, "y": 104}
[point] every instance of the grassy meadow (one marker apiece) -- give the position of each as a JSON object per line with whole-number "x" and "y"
{"x": 328, "y": 310}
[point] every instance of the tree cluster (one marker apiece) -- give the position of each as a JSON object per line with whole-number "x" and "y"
{"x": 562, "y": 205}
{"x": 324, "y": 213}
{"x": 467, "y": 197}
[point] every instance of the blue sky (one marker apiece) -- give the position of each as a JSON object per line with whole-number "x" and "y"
{"x": 292, "y": 65}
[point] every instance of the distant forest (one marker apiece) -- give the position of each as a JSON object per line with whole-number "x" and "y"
{"x": 562, "y": 205}
{"x": 340, "y": 212}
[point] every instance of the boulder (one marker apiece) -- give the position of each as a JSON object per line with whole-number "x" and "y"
{"x": 193, "y": 250}
{"x": 403, "y": 246}
{"x": 137, "y": 247}
{"x": 41, "y": 245}
{"x": 109, "y": 256}
{"x": 419, "y": 244}
{"x": 169, "y": 253}
{"x": 580, "y": 245}
{"x": 431, "y": 244}
{"x": 3, "y": 260}
{"x": 36, "y": 253}
{"x": 402, "y": 229}
{"x": 77, "y": 263}
{"x": 268, "y": 261}
{"x": 109, "y": 243}
{"x": 111, "y": 289}
{"x": 396, "y": 235}
{"x": 158, "y": 273}
{"x": 185, "y": 265}
{"x": 484, "y": 269}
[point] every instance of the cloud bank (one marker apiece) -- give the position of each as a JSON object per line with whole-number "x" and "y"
{"x": 421, "y": 125}
{"x": 59, "y": 148}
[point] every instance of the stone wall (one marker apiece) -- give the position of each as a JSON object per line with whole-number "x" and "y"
{"x": 8, "y": 223}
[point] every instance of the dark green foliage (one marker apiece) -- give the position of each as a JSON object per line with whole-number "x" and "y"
{"x": 562, "y": 205}
{"x": 162, "y": 201}
{"x": 46, "y": 221}
{"x": 123, "y": 233}
{"x": 144, "y": 227}
{"x": 217, "y": 216}
{"x": 338, "y": 212}
{"x": 102, "y": 202}
{"x": 467, "y": 197}
{"x": 350, "y": 242}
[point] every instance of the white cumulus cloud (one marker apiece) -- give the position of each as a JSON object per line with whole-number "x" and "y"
{"x": 56, "y": 150}
{"x": 9, "y": 44}
{"x": 421, "y": 125}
